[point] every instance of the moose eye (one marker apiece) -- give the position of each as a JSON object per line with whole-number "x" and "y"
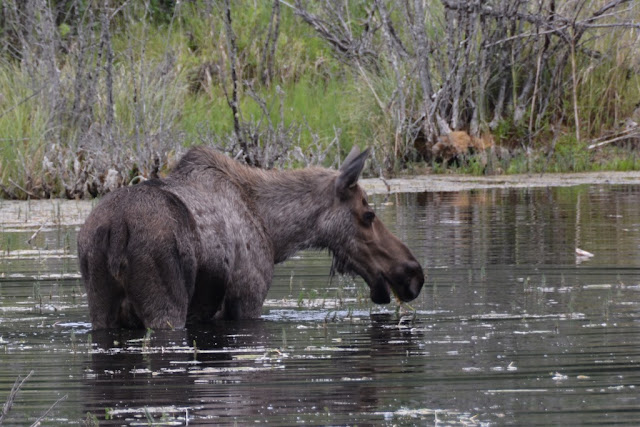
{"x": 369, "y": 217}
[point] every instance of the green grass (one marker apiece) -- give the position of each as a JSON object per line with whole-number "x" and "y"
{"x": 322, "y": 106}
{"x": 609, "y": 88}
{"x": 569, "y": 156}
{"x": 159, "y": 90}
{"x": 24, "y": 125}
{"x": 308, "y": 79}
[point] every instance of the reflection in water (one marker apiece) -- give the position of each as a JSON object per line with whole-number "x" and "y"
{"x": 510, "y": 327}
{"x": 528, "y": 227}
{"x": 233, "y": 372}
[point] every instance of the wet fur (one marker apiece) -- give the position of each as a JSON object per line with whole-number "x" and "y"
{"x": 201, "y": 244}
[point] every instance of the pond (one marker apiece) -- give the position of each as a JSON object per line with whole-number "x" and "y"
{"x": 513, "y": 326}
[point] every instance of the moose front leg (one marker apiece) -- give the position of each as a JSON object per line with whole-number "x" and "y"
{"x": 245, "y": 293}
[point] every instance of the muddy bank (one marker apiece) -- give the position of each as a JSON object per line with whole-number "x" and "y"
{"x": 43, "y": 214}
{"x": 436, "y": 183}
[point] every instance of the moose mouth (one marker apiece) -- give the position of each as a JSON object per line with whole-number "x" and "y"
{"x": 404, "y": 281}
{"x": 405, "y": 289}
{"x": 380, "y": 290}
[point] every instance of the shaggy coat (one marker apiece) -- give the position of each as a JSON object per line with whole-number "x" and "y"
{"x": 201, "y": 244}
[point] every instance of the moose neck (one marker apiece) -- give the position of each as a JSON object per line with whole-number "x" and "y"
{"x": 290, "y": 204}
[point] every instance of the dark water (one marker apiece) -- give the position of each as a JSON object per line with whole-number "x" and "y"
{"x": 512, "y": 327}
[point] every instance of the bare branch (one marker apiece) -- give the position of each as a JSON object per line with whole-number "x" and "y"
{"x": 233, "y": 102}
{"x": 271, "y": 41}
{"x": 339, "y": 36}
{"x": 43, "y": 416}
{"x": 17, "y": 385}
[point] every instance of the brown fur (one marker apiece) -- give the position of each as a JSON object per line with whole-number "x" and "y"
{"x": 460, "y": 143}
{"x": 201, "y": 243}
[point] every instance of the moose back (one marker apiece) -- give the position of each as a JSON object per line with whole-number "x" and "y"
{"x": 201, "y": 244}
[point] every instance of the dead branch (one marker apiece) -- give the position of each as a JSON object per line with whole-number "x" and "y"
{"x": 271, "y": 41}
{"x": 627, "y": 134}
{"x": 43, "y": 416}
{"x": 17, "y": 385}
{"x": 543, "y": 21}
{"x": 395, "y": 48}
{"x": 107, "y": 49}
{"x": 337, "y": 32}
{"x": 233, "y": 102}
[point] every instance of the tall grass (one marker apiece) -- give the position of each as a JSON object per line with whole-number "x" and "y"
{"x": 127, "y": 107}
{"x": 609, "y": 87}
{"x": 24, "y": 126}
{"x": 109, "y": 95}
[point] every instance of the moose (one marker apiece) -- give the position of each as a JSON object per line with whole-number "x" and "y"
{"x": 201, "y": 244}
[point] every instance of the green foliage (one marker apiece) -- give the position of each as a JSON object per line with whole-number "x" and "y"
{"x": 608, "y": 88}
{"x": 569, "y": 155}
{"x": 305, "y": 71}
{"x": 24, "y": 125}
{"x": 509, "y": 134}
{"x": 519, "y": 164}
{"x": 91, "y": 420}
{"x": 475, "y": 166}
{"x": 162, "y": 10}
{"x": 170, "y": 79}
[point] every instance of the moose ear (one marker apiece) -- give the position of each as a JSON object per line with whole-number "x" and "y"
{"x": 350, "y": 170}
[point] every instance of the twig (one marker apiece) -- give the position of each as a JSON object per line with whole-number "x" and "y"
{"x": 386, "y": 184}
{"x": 33, "y": 236}
{"x": 10, "y": 194}
{"x": 609, "y": 141}
{"x": 338, "y": 36}
{"x": 106, "y": 47}
{"x": 373, "y": 91}
{"x": 527, "y": 35}
{"x": 540, "y": 20}
{"x": 119, "y": 9}
{"x": 35, "y": 93}
{"x": 12, "y": 395}
{"x": 269, "y": 51}
{"x": 574, "y": 86}
{"x": 42, "y": 417}
{"x": 164, "y": 91}
{"x": 630, "y": 132}
{"x": 23, "y": 189}
{"x": 233, "y": 102}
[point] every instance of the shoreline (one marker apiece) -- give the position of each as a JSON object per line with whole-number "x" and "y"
{"x": 39, "y": 215}
{"x": 448, "y": 183}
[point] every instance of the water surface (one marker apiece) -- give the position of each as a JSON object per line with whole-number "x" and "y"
{"x": 512, "y": 326}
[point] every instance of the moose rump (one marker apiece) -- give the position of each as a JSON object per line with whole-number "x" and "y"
{"x": 201, "y": 244}
{"x": 137, "y": 254}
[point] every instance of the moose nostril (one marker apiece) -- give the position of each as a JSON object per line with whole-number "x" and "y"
{"x": 413, "y": 268}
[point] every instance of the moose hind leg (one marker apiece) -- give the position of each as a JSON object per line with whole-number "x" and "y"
{"x": 104, "y": 304}
{"x": 106, "y": 296}
{"x": 160, "y": 288}
{"x": 109, "y": 306}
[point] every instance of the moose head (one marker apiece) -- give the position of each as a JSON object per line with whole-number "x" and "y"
{"x": 364, "y": 245}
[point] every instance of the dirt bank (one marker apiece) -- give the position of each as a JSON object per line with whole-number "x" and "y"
{"x": 40, "y": 215}
{"x": 465, "y": 182}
